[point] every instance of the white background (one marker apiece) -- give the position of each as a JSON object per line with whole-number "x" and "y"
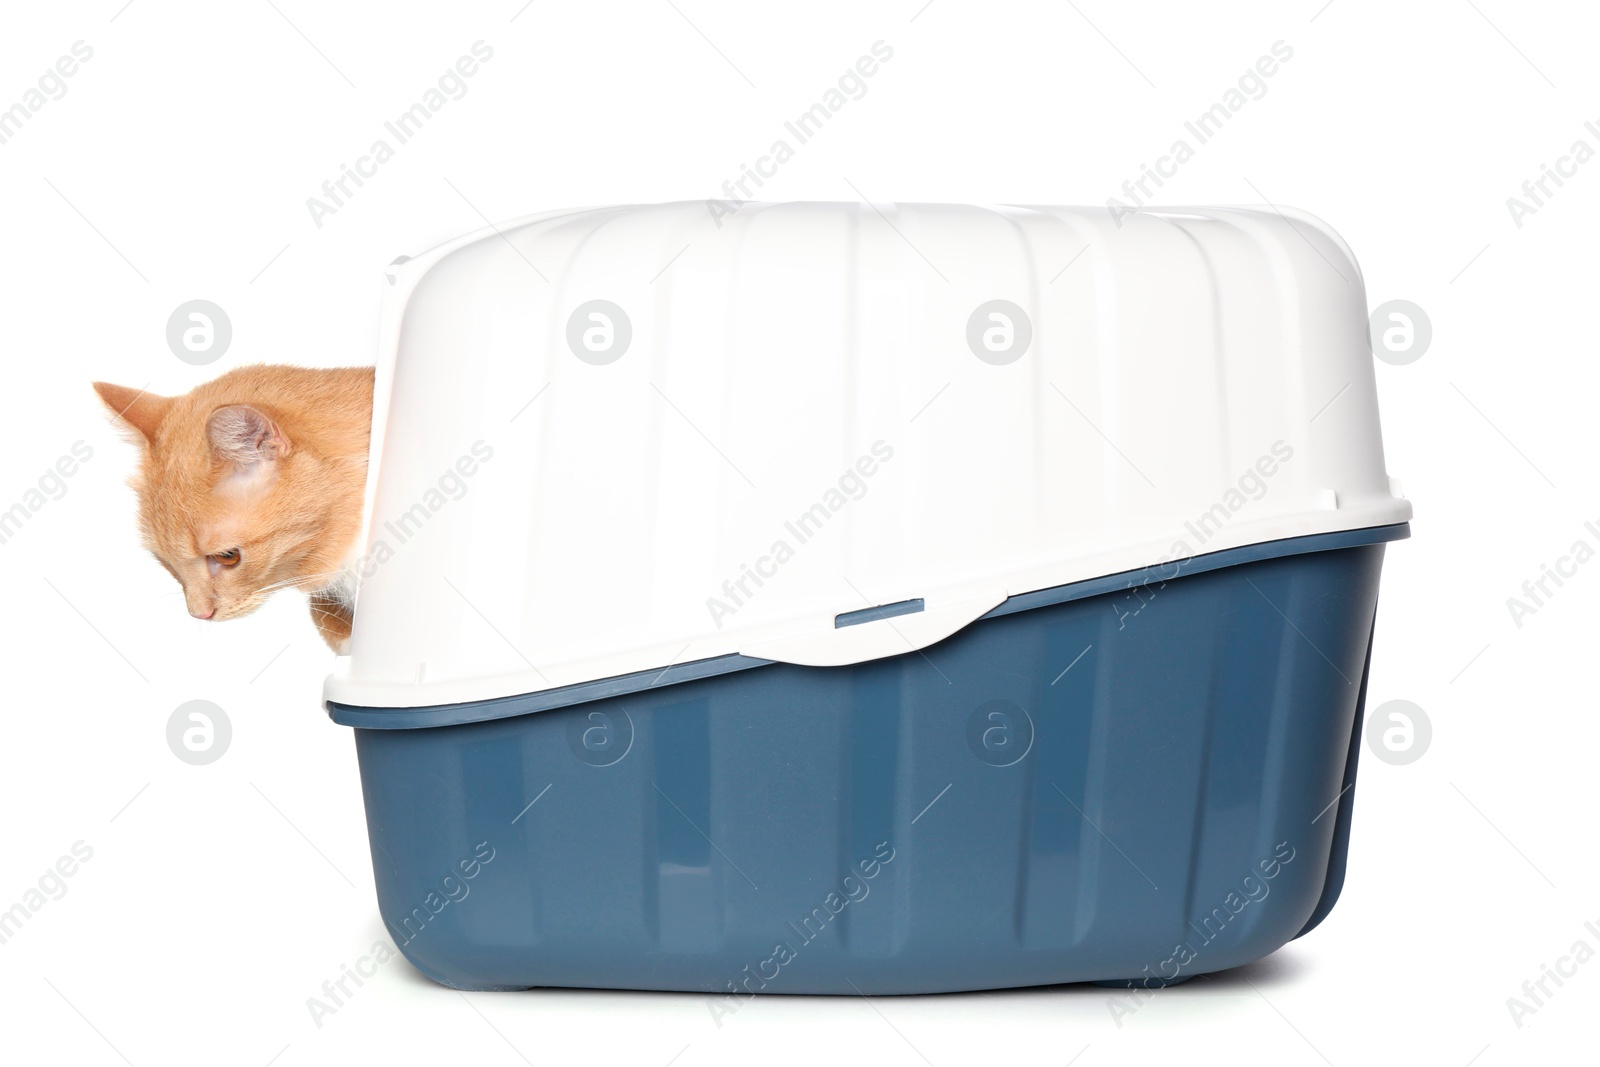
{"x": 177, "y": 166}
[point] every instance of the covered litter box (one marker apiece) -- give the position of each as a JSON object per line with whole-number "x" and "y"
{"x": 835, "y": 598}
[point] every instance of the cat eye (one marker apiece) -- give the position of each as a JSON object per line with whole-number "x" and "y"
{"x": 229, "y": 558}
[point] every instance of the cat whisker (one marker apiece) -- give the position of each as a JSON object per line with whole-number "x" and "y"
{"x": 301, "y": 579}
{"x": 310, "y": 580}
{"x": 262, "y": 593}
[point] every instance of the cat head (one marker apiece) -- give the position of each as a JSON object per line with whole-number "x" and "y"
{"x": 231, "y": 502}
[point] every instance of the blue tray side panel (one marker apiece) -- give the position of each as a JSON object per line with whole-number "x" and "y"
{"x": 1099, "y": 789}
{"x": 1345, "y": 808}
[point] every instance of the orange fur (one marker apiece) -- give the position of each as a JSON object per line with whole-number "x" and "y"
{"x": 268, "y": 460}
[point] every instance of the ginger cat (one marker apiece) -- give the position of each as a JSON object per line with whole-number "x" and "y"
{"x": 254, "y": 482}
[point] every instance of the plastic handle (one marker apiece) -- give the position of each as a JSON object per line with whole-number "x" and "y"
{"x": 838, "y": 646}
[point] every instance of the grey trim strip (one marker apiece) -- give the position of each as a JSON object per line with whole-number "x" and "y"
{"x": 882, "y": 611}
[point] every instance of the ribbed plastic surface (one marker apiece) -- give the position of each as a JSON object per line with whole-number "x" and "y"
{"x": 809, "y": 417}
{"x": 1074, "y": 792}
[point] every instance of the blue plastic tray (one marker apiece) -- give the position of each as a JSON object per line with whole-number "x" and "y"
{"x": 1139, "y": 778}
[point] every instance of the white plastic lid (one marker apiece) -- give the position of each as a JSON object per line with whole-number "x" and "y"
{"x": 617, "y": 439}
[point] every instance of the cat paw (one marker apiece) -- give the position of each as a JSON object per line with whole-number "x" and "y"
{"x": 334, "y": 620}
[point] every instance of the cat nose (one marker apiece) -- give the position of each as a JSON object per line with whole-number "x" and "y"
{"x": 206, "y": 615}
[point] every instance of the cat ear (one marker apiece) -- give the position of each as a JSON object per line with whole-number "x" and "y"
{"x": 134, "y": 408}
{"x": 244, "y": 437}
